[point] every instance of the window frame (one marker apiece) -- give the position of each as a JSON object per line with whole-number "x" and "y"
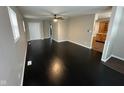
{"x": 14, "y": 24}
{"x": 24, "y": 28}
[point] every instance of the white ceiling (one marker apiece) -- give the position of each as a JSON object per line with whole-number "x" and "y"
{"x": 45, "y": 12}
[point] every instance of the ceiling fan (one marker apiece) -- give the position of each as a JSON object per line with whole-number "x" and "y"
{"x": 56, "y": 18}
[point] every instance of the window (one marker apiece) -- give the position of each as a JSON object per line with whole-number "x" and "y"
{"x": 14, "y": 24}
{"x": 24, "y": 25}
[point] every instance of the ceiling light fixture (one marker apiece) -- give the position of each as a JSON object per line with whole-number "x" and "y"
{"x": 55, "y": 20}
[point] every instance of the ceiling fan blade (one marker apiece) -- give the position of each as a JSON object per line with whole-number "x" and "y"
{"x": 61, "y": 18}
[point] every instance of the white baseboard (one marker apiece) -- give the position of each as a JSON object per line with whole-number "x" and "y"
{"x": 55, "y": 40}
{"x": 68, "y": 41}
{"x": 23, "y": 66}
{"x": 72, "y": 42}
{"x": 118, "y": 57}
{"x": 79, "y": 44}
{"x": 36, "y": 39}
{"x": 105, "y": 60}
{"x": 60, "y": 40}
{"x": 46, "y": 37}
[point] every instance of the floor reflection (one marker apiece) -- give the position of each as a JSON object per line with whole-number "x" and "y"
{"x": 56, "y": 70}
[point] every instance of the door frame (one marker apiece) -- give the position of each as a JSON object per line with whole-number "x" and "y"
{"x": 51, "y": 29}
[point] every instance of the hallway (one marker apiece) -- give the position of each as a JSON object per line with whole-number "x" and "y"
{"x": 66, "y": 64}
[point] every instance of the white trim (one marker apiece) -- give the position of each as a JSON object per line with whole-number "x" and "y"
{"x": 117, "y": 57}
{"x": 59, "y": 41}
{"x": 23, "y": 66}
{"x": 105, "y": 60}
{"x": 54, "y": 39}
{"x": 36, "y": 39}
{"x": 79, "y": 44}
{"x": 91, "y": 42}
{"x": 93, "y": 29}
{"x": 73, "y": 42}
{"x": 46, "y": 37}
{"x": 14, "y": 24}
{"x": 62, "y": 41}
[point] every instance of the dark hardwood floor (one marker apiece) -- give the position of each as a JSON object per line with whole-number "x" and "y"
{"x": 115, "y": 64}
{"x": 67, "y": 64}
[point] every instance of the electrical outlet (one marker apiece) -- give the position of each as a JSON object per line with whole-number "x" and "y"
{"x": 3, "y": 82}
{"x": 29, "y": 43}
{"x": 29, "y": 63}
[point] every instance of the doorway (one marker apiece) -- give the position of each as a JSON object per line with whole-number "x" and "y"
{"x": 101, "y": 29}
{"x": 51, "y": 33}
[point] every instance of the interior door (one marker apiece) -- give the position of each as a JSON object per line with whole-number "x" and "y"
{"x": 34, "y": 31}
{"x": 103, "y": 26}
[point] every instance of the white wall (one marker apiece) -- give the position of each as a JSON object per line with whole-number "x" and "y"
{"x": 12, "y": 55}
{"x": 80, "y": 29}
{"x": 55, "y": 30}
{"x": 118, "y": 45}
{"x": 112, "y": 32}
{"x": 62, "y": 30}
{"x": 76, "y": 29}
{"x": 41, "y": 36}
{"x": 104, "y": 14}
{"x": 46, "y": 26}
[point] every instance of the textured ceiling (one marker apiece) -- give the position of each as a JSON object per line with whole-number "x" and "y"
{"x": 45, "y": 12}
